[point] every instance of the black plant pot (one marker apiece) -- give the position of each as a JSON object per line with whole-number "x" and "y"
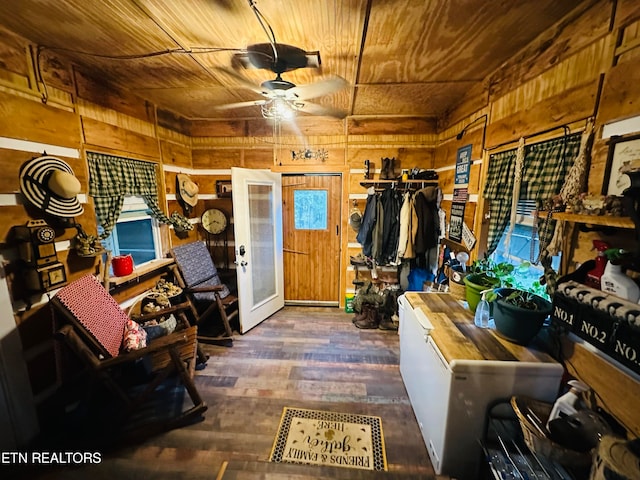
{"x": 516, "y": 324}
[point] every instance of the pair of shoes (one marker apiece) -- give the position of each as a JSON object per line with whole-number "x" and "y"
{"x": 368, "y": 318}
{"x": 388, "y": 171}
{"x": 387, "y": 323}
{"x": 359, "y": 260}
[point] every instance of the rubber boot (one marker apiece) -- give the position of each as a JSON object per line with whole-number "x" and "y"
{"x": 370, "y": 319}
{"x": 394, "y": 169}
{"x": 384, "y": 172}
{"x": 360, "y": 316}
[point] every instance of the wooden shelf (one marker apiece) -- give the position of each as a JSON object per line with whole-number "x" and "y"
{"x": 400, "y": 183}
{"x": 138, "y": 272}
{"x": 604, "y": 220}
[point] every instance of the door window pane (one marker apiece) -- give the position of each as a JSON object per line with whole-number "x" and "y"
{"x": 310, "y": 209}
{"x": 262, "y": 234}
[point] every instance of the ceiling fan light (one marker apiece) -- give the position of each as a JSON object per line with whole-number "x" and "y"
{"x": 278, "y": 109}
{"x": 288, "y": 114}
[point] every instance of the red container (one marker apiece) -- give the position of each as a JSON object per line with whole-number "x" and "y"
{"x": 122, "y": 265}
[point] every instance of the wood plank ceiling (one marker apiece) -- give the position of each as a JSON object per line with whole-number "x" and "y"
{"x": 400, "y": 57}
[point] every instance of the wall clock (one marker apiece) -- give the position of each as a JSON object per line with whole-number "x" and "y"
{"x": 214, "y": 221}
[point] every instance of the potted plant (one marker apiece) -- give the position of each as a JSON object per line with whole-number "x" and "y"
{"x": 518, "y": 313}
{"x": 485, "y": 274}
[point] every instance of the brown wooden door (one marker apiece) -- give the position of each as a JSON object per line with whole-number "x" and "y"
{"x": 311, "y": 238}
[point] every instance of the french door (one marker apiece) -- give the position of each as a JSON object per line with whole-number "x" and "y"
{"x": 257, "y": 217}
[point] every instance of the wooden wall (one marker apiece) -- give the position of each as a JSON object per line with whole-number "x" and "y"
{"x": 587, "y": 68}
{"x": 81, "y": 115}
{"x": 219, "y": 145}
{"x": 573, "y": 71}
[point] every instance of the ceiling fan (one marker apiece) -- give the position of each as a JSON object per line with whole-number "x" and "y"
{"x": 281, "y": 97}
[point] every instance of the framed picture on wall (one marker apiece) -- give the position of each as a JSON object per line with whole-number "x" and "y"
{"x": 223, "y": 188}
{"x": 622, "y": 151}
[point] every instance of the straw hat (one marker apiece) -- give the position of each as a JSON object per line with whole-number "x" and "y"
{"x": 49, "y": 184}
{"x": 187, "y": 189}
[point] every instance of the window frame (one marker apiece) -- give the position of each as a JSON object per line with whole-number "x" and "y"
{"x": 325, "y": 199}
{"x": 134, "y": 208}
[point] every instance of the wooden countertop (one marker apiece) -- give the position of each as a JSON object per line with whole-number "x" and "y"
{"x": 459, "y": 339}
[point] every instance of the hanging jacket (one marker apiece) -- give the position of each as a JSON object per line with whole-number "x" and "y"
{"x": 427, "y": 207}
{"x": 365, "y": 234}
{"x": 408, "y": 229}
{"x": 391, "y": 201}
{"x": 376, "y": 248}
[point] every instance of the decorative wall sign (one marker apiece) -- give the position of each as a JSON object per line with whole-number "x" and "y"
{"x": 463, "y": 165}
{"x": 468, "y": 238}
{"x": 308, "y": 154}
{"x": 456, "y": 219}
{"x": 622, "y": 151}
{"x": 460, "y": 193}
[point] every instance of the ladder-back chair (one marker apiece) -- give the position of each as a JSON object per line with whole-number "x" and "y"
{"x": 212, "y": 303}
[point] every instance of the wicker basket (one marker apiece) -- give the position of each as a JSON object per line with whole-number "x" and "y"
{"x": 457, "y": 288}
{"x": 617, "y": 459}
{"x": 527, "y": 409}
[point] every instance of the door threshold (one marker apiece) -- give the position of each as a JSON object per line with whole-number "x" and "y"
{"x": 312, "y": 303}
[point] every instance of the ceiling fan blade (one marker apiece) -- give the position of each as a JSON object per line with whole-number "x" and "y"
{"x": 319, "y": 110}
{"x": 317, "y": 89}
{"x": 242, "y": 81}
{"x": 251, "y": 103}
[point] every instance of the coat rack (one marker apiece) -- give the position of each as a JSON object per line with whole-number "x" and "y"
{"x": 381, "y": 185}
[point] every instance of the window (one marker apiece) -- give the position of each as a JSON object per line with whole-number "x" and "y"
{"x": 524, "y": 246}
{"x": 136, "y": 233}
{"x": 310, "y": 209}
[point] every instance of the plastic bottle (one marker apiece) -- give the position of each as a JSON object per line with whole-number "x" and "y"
{"x": 614, "y": 280}
{"x": 566, "y": 404}
{"x": 593, "y": 276}
{"x": 481, "y": 317}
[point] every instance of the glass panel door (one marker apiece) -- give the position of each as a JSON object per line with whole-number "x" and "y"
{"x": 257, "y": 219}
{"x": 262, "y": 242}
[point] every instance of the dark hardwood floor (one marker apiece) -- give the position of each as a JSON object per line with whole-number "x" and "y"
{"x": 303, "y": 357}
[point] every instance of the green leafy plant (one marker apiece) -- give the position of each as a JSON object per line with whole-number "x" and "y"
{"x": 510, "y": 276}
{"x": 486, "y": 270}
{"x": 519, "y": 298}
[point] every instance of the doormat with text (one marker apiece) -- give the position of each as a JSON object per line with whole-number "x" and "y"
{"x": 316, "y": 437}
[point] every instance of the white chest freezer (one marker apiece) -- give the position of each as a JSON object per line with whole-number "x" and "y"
{"x": 453, "y": 371}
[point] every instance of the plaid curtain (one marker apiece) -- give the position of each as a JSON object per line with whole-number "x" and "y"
{"x": 498, "y": 191}
{"x": 112, "y": 178}
{"x": 545, "y": 167}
